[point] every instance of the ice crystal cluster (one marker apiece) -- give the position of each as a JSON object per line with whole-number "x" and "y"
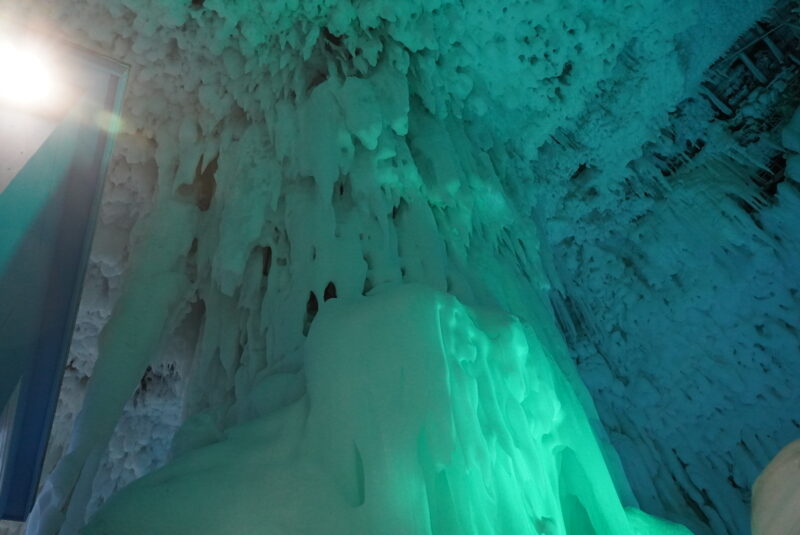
{"x": 298, "y": 185}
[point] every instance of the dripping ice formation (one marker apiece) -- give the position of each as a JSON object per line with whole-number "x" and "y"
{"x": 421, "y": 416}
{"x": 281, "y": 160}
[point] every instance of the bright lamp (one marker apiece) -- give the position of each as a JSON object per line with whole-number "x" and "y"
{"x": 26, "y": 78}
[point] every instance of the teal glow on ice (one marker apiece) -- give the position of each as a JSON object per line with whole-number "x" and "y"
{"x": 421, "y": 417}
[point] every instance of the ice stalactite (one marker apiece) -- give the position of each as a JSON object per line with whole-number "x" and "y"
{"x": 337, "y": 156}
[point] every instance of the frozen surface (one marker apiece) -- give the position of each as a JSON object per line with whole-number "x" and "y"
{"x": 278, "y": 155}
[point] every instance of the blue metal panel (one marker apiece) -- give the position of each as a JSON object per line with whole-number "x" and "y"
{"x": 62, "y": 232}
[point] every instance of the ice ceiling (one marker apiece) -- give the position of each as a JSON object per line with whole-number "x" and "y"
{"x": 609, "y": 172}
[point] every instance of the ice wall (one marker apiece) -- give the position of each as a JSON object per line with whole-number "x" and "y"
{"x": 679, "y": 294}
{"x": 286, "y": 153}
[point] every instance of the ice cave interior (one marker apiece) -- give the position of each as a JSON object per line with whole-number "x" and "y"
{"x": 436, "y": 267}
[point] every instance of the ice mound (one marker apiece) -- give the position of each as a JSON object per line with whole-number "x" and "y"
{"x": 421, "y": 416}
{"x": 776, "y": 495}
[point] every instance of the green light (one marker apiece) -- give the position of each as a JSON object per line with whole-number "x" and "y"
{"x": 422, "y": 417}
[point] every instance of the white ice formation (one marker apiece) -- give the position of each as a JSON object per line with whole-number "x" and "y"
{"x": 278, "y": 153}
{"x": 420, "y": 416}
{"x": 776, "y": 495}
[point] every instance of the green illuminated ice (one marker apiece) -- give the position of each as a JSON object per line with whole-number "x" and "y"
{"x": 421, "y": 416}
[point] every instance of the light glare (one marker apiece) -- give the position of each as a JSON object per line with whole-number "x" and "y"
{"x": 25, "y": 76}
